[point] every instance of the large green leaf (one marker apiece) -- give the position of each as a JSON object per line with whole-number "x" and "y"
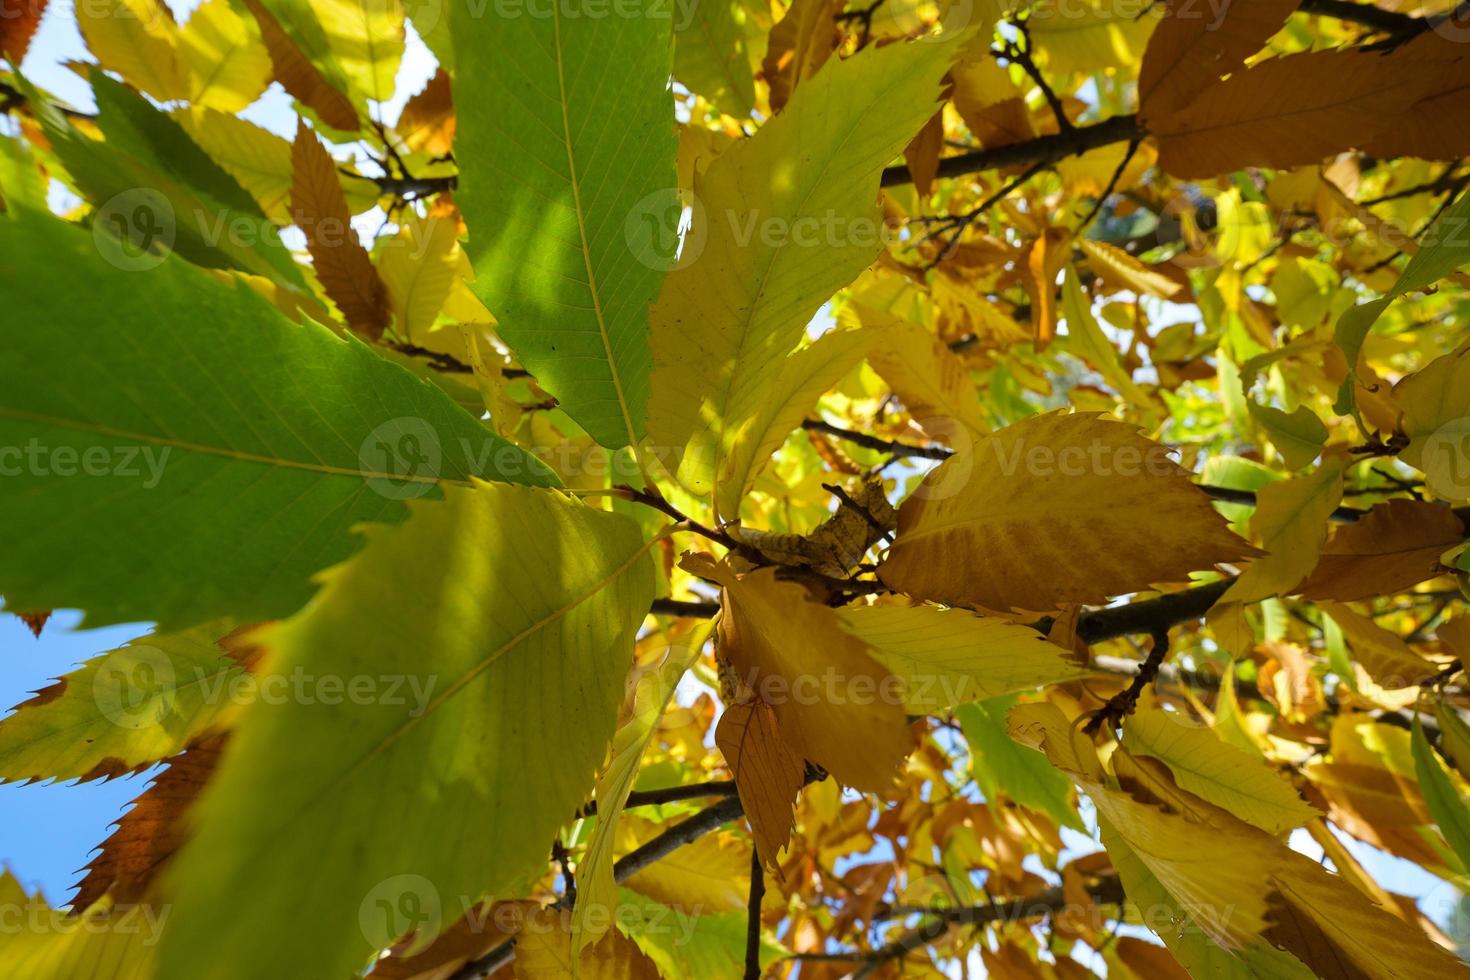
{"x": 176, "y": 450}
{"x": 565, "y": 146}
{"x": 489, "y": 636}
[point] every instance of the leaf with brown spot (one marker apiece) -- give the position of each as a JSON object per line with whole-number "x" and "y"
{"x": 149, "y": 833}
{"x": 343, "y": 266}
{"x": 768, "y": 774}
{"x": 1396, "y": 546}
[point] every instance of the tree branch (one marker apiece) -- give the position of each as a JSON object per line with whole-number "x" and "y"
{"x": 673, "y": 794}
{"x": 1107, "y": 890}
{"x": 630, "y": 864}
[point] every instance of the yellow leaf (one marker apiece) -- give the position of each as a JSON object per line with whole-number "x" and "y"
{"x": 105, "y": 942}
{"x": 653, "y": 687}
{"x": 1290, "y": 523}
{"x": 366, "y": 39}
{"x": 1016, "y": 524}
{"x": 420, "y": 266}
{"x": 786, "y": 398}
{"x": 1386, "y": 658}
{"x": 544, "y": 952}
{"x": 225, "y": 57}
{"x": 1089, "y": 36}
{"x": 704, "y": 877}
{"x": 843, "y": 711}
{"x": 1436, "y": 406}
{"x": 139, "y": 40}
{"x": 782, "y": 220}
{"x": 929, "y": 378}
{"x": 260, "y": 160}
{"x": 1224, "y": 775}
{"x": 1122, "y": 271}
{"x": 946, "y": 657}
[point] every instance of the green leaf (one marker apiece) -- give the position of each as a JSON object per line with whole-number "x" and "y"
{"x": 136, "y": 200}
{"x": 132, "y": 125}
{"x": 1298, "y": 435}
{"x": 1004, "y": 767}
{"x": 784, "y": 219}
{"x": 565, "y": 145}
{"x": 1445, "y": 803}
{"x": 487, "y": 640}
{"x": 131, "y": 707}
{"x": 177, "y": 451}
{"x": 1445, "y": 248}
{"x": 1211, "y": 768}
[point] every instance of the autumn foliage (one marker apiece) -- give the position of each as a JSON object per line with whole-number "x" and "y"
{"x": 728, "y": 488}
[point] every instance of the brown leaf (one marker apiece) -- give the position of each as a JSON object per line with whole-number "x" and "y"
{"x": 480, "y": 930}
{"x": 1195, "y": 44}
{"x": 1017, "y": 524}
{"x": 1301, "y": 108}
{"x": 767, "y": 773}
{"x": 344, "y": 267}
{"x": 18, "y": 22}
{"x": 299, "y": 77}
{"x": 799, "y": 44}
{"x": 149, "y": 834}
{"x": 1437, "y": 126}
{"x": 428, "y": 120}
{"x": 36, "y": 621}
{"x": 1397, "y": 545}
{"x": 922, "y": 154}
{"x": 840, "y": 709}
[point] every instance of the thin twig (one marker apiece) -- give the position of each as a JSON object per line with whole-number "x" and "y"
{"x": 1121, "y": 705}
{"x": 753, "y": 921}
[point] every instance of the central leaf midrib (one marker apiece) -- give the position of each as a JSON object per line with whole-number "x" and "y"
{"x": 566, "y": 128}
{"x": 93, "y": 428}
